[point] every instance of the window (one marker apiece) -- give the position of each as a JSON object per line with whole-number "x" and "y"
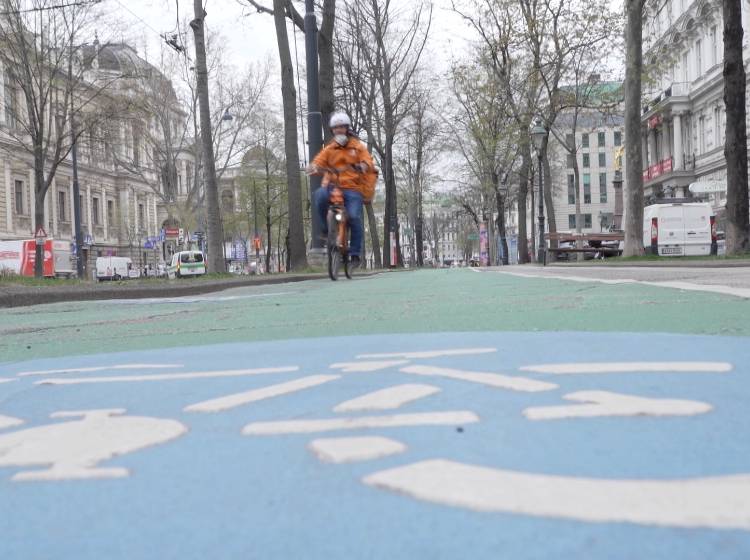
{"x": 586, "y": 188}
{"x": 714, "y": 47}
{"x": 571, "y": 189}
{"x": 571, "y": 161}
{"x": 586, "y": 161}
{"x": 571, "y": 221}
{"x": 717, "y": 127}
{"x": 618, "y": 138}
{"x": 11, "y": 105}
{"x": 61, "y": 215}
{"x": 602, "y": 187}
{"x": 95, "y": 211}
{"x": 698, "y": 59}
{"x": 570, "y": 141}
{"x": 602, "y": 159}
{"x": 141, "y": 216}
{"x": 19, "y": 197}
{"x": 585, "y": 140}
{"x": 81, "y": 207}
{"x": 600, "y": 139}
{"x": 587, "y": 221}
{"x": 701, "y": 134}
{"x": 685, "y": 75}
{"x": 110, "y": 212}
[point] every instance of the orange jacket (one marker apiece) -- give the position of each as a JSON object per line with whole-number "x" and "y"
{"x": 342, "y": 158}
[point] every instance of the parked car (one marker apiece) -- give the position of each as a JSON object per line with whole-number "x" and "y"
{"x": 186, "y": 263}
{"x": 680, "y": 229}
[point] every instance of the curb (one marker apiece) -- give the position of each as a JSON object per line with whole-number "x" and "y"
{"x": 22, "y": 296}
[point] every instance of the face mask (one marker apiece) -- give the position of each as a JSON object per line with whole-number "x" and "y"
{"x": 341, "y": 139}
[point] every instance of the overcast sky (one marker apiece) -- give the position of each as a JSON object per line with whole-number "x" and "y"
{"x": 250, "y": 36}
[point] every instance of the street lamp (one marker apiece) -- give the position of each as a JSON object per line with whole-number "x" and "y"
{"x": 227, "y": 116}
{"x": 538, "y": 135}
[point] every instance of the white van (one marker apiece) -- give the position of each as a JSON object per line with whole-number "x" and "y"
{"x": 186, "y": 263}
{"x": 113, "y": 268}
{"x": 679, "y": 229}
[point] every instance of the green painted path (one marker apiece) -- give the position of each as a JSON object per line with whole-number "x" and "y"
{"x": 406, "y": 302}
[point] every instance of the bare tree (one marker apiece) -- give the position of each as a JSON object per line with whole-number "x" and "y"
{"x": 50, "y": 84}
{"x": 735, "y": 144}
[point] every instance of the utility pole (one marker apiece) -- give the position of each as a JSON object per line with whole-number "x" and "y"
{"x": 216, "y": 261}
{"x": 256, "y": 238}
{"x": 314, "y": 117}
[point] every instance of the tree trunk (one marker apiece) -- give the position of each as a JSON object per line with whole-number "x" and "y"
{"x": 326, "y": 60}
{"x": 634, "y": 174}
{"x": 373, "y": 224}
{"x": 523, "y": 192}
{"x": 549, "y": 201}
{"x": 579, "y": 217}
{"x": 216, "y": 262}
{"x": 297, "y": 256}
{"x": 735, "y": 144}
{"x": 391, "y": 216}
{"x": 500, "y": 201}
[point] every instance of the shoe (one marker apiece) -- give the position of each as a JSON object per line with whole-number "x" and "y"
{"x": 354, "y": 262}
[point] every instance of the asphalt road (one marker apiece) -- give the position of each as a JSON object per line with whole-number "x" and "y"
{"x": 434, "y": 414}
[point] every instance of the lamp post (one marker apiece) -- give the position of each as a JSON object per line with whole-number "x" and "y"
{"x": 538, "y": 135}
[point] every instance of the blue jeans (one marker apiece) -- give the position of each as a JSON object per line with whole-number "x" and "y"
{"x": 353, "y": 205}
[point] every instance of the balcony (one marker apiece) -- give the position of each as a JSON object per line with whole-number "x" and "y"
{"x": 657, "y": 169}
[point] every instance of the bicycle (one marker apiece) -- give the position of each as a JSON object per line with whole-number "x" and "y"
{"x": 338, "y": 229}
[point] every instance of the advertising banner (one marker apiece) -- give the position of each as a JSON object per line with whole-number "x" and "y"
{"x": 19, "y": 257}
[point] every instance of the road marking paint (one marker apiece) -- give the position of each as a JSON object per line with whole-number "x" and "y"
{"x": 717, "y": 289}
{"x": 721, "y": 502}
{"x": 491, "y": 379}
{"x": 630, "y": 367}
{"x": 73, "y": 449}
{"x": 331, "y": 424}
{"x": 430, "y": 353}
{"x": 238, "y": 399}
{"x": 6, "y": 380}
{"x": 166, "y": 376}
{"x": 352, "y": 367}
{"x": 353, "y": 449}
{"x": 9, "y": 421}
{"x": 196, "y": 299}
{"x": 387, "y": 399}
{"x": 99, "y": 368}
{"x": 605, "y": 403}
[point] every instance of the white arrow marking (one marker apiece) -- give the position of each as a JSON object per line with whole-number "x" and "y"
{"x": 238, "y": 399}
{"x": 9, "y": 421}
{"x": 166, "y": 376}
{"x": 491, "y": 379}
{"x": 386, "y": 399}
{"x": 631, "y": 367}
{"x": 721, "y": 502}
{"x": 99, "y": 368}
{"x": 332, "y": 424}
{"x": 352, "y": 449}
{"x": 352, "y": 367}
{"x": 605, "y": 403}
{"x": 430, "y": 353}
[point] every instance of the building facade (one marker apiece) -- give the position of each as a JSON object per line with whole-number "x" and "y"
{"x": 683, "y": 123}
{"x": 122, "y": 211}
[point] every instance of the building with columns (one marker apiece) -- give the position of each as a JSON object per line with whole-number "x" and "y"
{"x": 122, "y": 210}
{"x": 683, "y": 123}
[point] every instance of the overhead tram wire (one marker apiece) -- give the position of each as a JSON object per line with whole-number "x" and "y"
{"x": 171, "y": 41}
{"x": 47, "y": 8}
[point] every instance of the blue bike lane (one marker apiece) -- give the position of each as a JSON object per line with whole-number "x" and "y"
{"x": 519, "y": 445}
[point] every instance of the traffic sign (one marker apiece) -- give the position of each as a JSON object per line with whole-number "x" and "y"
{"x": 40, "y": 233}
{"x": 708, "y": 186}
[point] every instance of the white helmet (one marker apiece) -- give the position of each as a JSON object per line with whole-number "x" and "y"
{"x": 340, "y": 119}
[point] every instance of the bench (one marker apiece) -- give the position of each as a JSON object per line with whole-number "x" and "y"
{"x": 603, "y": 243}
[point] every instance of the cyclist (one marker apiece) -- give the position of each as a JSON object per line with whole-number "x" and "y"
{"x": 347, "y": 154}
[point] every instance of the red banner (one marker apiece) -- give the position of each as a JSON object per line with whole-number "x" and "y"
{"x": 28, "y": 258}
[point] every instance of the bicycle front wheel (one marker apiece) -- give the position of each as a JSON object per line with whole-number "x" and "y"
{"x": 334, "y": 255}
